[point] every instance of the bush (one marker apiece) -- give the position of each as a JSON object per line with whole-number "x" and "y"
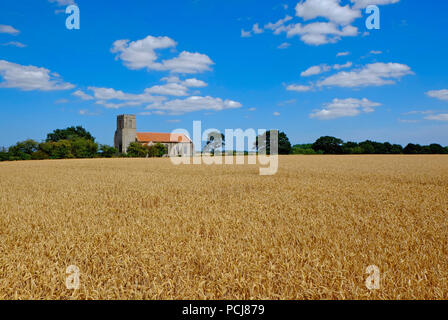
{"x": 137, "y": 150}
{"x": 107, "y": 151}
{"x": 157, "y": 150}
{"x": 40, "y": 155}
{"x": 83, "y": 148}
{"x": 328, "y": 145}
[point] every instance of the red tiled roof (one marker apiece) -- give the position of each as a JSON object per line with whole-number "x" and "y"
{"x": 161, "y": 137}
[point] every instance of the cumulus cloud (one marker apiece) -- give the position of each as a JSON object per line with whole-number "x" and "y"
{"x": 342, "y": 66}
{"x": 315, "y": 70}
{"x": 8, "y": 29}
{"x": 298, "y": 88}
{"x": 188, "y": 62}
{"x": 81, "y": 94}
{"x": 284, "y": 45}
{"x": 438, "y": 117}
{"x": 329, "y": 9}
{"x": 319, "y": 33}
{"x": 276, "y": 27}
{"x": 194, "y": 103}
{"x": 376, "y": 74}
{"x": 63, "y": 2}
{"x": 141, "y": 54}
{"x": 342, "y": 54}
{"x": 256, "y": 29}
{"x": 245, "y": 34}
{"x": 340, "y": 108}
{"x": 438, "y": 94}
{"x": 29, "y": 78}
{"x": 14, "y": 44}
{"x": 169, "y": 89}
{"x": 338, "y": 20}
{"x": 106, "y": 94}
{"x": 194, "y": 83}
{"x": 362, "y": 4}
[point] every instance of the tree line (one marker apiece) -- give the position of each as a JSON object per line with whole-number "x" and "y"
{"x": 76, "y": 142}
{"x": 73, "y": 143}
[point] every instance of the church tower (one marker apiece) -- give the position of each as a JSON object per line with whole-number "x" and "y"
{"x": 126, "y": 132}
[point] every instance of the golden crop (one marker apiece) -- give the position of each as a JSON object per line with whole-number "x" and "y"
{"x": 145, "y": 229}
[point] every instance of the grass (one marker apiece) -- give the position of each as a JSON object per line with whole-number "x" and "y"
{"x": 145, "y": 229}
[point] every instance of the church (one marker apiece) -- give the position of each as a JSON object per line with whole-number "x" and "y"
{"x": 126, "y": 133}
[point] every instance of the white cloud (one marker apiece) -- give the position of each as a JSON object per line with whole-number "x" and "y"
{"x": 319, "y": 33}
{"x": 276, "y": 114}
{"x": 438, "y": 117}
{"x": 275, "y": 26}
{"x": 329, "y": 9}
{"x": 81, "y": 94}
{"x": 105, "y": 94}
{"x": 63, "y": 2}
{"x": 337, "y": 22}
{"x": 343, "y": 66}
{"x": 14, "y": 44}
{"x": 61, "y": 101}
{"x": 256, "y": 29}
{"x": 339, "y": 108}
{"x": 142, "y": 54}
{"x": 8, "y": 29}
{"x": 188, "y": 62}
{"x": 111, "y": 105}
{"x": 376, "y": 74}
{"x": 194, "y": 103}
{"x": 376, "y": 52}
{"x": 245, "y": 34}
{"x": 315, "y": 70}
{"x": 284, "y": 45}
{"x": 194, "y": 83}
{"x": 362, "y": 4}
{"x": 29, "y": 78}
{"x": 169, "y": 89}
{"x": 298, "y": 88}
{"x": 189, "y": 83}
{"x": 438, "y": 94}
{"x": 252, "y": 109}
{"x": 343, "y": 54}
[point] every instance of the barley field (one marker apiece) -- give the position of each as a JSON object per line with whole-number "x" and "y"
{"x": 146, "y": 229}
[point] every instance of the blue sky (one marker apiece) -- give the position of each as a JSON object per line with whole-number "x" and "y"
{"x": 309, "y": 68}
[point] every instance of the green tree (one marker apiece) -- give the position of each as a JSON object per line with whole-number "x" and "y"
{"x": 437, "y": 149}
{"x": 350, "y": 148}
{"x": 61, "y": 150}
{"x": 137, "y": 150}
{"x": 157, "y": 150}
{"x": 284, "y": 145}
{"x": 328, "y": 145}
{"x": 4, "y": 155}
{"x": 215, "y": 141}
{"x": 413, "y": 149}
{"x": 83, "y": 148}
{"x": 303, "y": 149}
{"x": 40, "y": 155}
{"x": 107, "y": 151}
{"x": 23, "y": 150}
{"x": 70, "y": 133}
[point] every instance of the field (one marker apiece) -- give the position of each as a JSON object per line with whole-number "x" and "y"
{"x": 145, "y": 229}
